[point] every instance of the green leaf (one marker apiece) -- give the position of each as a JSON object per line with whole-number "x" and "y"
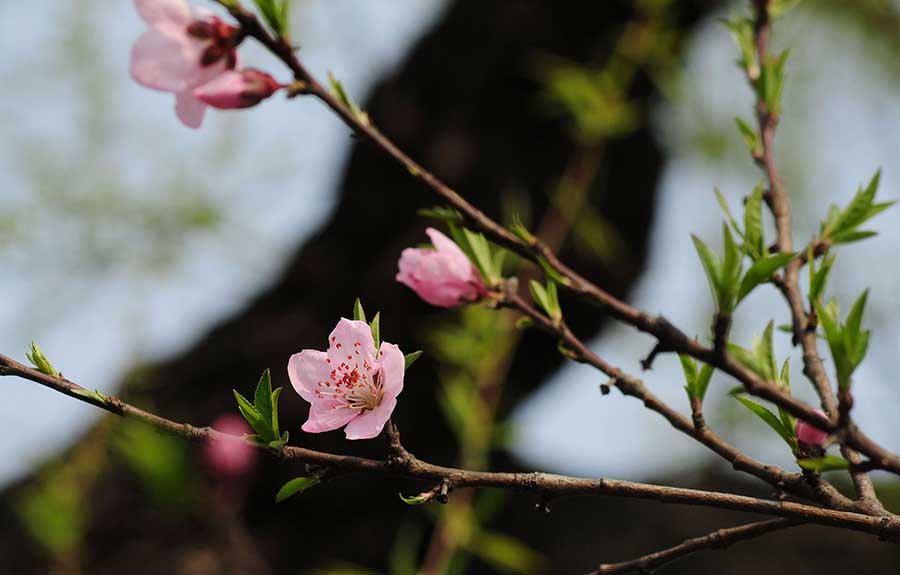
{"x": 40, "y": 361}
{"x": 703, "y": 379}
{"x": 730, "y": 272}
{"x": 819, "y": 278}
{"x": 761, "y": 271}
{"x": 419, "y": 499}
{"x": 443, "y": 214}
{"x": 275, "y": 14}
{"x": 376, "y": 329}
{"x": 742, "y": 30}
{"x": 751, "y": 139}
{"x": 724, "y": 205}
{"x": 551, "y": 272}
{"x": 841, "y": 226}
{"x": 710, "y": 265}
{"x": 276, "y": 432}
{"x": 771, "y": 82}
{"x": 295, "y": 486}
{"x": 410, "y": 358}
{"x": 754, "y": 242}
{"x": 92, "y": 395}
{"x": 770, "y": 419}
{"x": 482, "y": 252}
{"x": 358, "y": 313}
{"x": 689, "y": 367}
{"x": 547, "y": 298}
{"x": 262, "y": 399}
{"x": 337, "y": 89}
{"x": 827, "y": 463}
{"x": 854, "y": 318}
{"x": 259, "y": 424}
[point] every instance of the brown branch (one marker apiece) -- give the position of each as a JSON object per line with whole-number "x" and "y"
{"x": 719, "y": 539}
{"x": 545, "y": 484}
{"x": 780, "y": 205}
{"x": 803, "y": 327}
{"x": 671, "y": 338}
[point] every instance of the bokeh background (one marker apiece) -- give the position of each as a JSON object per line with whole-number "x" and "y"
{"x": 169, "y": 267}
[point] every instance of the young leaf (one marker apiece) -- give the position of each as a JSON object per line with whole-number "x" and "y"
{"x": 295, "y": 486}
{"x": 754, "y": 242}
{"x": 730, "y": 272}
{"x": 770, "y": 419}
{"x": 40, "y": 361}
{"x": 251, "y": 414}
{"x": 443, "y": 214}
{"x": 761, "y": 271}
{"x": 276, "y": 432}
{"x": 702, "y": 382}
{"x": 842, "y": 226}
{"x": 819, "y": 277}
{"x": 376, "y": 329}
{"x": 262, "y": 399}
{"x": 724, "y": 205}
{"x": 337, "y": 89}
{"x": 416, "y": 499}
{"x": 410, "y": 358}
{"x": 742, "y": 29}
{"x": 710, "y": 265}
{"x": 481, "y": 249}
{"x": 689, "y": 367}
{"x": 751, "y": 139}
{"x": 827, "y": 463}
{"x": 358, "y": 313}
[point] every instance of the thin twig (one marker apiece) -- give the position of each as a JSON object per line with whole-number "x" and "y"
{"x": 719, "y": 539}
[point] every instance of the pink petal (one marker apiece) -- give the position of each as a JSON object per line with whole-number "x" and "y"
{"x": 170, "y": 63}
{"x": 348, "y": 337}
{"x": 162, "y": 13}
{"x": 189, "y": 109}
{"x": 394, "y": 365}
{"x": 306, "y": 369}
{"x": 224, "y": 92}
{"x": 457, "y": 261}
{"x": 370, "y": 423}
{"x": 321, "y": 420}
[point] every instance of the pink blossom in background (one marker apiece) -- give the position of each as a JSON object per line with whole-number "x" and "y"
{"x": 183, "y": 49}
{"x": 237, "y": 89}
{"x": 443, "y": 276}
{"x": 229, "y": 455}
{"x": 810, "y": 434}
{"x": 352, "y": 384}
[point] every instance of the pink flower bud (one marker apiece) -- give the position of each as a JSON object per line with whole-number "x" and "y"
{"x": 228, "y": 455}
{"x": 237, "y": 89}
{"x": 443, "y": 276}
{"x": 810, "y": 434}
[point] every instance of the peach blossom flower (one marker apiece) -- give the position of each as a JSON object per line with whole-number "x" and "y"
{"x": 183, "y": 49}
{"x": 352, "y": 384}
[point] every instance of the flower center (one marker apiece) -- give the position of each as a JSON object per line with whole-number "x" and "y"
{"x": 366, "y": 394}
{"x": 220, "y": 39}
